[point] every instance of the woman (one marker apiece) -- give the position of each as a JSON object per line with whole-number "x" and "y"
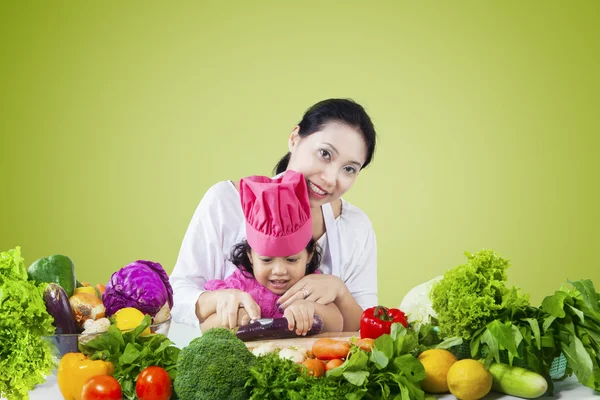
{"x": 332, "y": 143}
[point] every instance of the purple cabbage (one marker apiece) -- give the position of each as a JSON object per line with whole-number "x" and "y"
{"x": 142, "y": 284}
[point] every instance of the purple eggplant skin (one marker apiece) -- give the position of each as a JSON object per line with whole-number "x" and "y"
{"x": 57, "y": 304}
{"x": 277, "y": 330}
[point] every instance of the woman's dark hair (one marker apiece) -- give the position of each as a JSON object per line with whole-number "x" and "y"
{"x": 346, "y": 111}
{"x": 239, "y": 257}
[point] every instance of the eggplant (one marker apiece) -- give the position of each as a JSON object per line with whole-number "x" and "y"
{"x": 57, "y": 304}
{"x": 274, "y": 328}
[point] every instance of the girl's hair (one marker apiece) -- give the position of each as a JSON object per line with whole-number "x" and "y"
{"x": 239, "y": 257}
{"x": 346, "y": 111}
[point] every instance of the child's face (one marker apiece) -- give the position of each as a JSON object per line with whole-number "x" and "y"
{"x": 278, "y": 274}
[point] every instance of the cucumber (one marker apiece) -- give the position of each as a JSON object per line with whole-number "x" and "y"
{"x": 517, "y": 381}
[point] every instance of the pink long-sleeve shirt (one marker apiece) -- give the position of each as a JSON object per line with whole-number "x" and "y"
{"x": 266, "y": 300}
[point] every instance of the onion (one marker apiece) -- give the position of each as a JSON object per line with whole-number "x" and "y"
{"x": 86, "y": 306}
{"x": 291, "y": 354}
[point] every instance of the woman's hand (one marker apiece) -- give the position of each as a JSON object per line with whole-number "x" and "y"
{"x": 300, "y": 316}
{"x": 318, "y": 288}
{"x": 227, "y": 304}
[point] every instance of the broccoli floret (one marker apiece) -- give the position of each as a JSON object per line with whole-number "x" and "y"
{"x": 214, "y": 366}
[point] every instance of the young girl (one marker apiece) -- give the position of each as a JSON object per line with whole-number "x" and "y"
{"x": 278, "y": 251}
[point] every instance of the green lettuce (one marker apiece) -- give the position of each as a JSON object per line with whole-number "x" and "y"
{"x": 25, "y": 358}
{"x": 473, "y": 294}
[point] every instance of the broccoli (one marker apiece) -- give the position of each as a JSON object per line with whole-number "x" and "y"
{"x": 214, "y": 366}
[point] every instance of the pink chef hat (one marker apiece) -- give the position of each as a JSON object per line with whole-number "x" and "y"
{"x": 277, "y": 212}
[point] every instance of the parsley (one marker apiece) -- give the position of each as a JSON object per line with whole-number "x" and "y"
{"x": 273, "y": 378}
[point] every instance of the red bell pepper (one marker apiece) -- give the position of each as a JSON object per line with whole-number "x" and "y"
{"x": 376, "y": 321}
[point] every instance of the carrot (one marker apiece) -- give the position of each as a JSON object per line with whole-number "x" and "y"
{"x": 331, "y": 364}
{"x": 101, "y": 288}
{"x": 328, "y": 349}
{"x": 366, "y": 344}
{"x": 315, "y": 367}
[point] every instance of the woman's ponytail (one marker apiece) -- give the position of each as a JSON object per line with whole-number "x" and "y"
{"x": 282, "y": 164}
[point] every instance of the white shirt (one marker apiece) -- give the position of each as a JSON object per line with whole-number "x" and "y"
{"x": 218, "y": 225}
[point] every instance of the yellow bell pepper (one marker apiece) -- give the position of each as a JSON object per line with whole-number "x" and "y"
{"x": 75, "y": 369}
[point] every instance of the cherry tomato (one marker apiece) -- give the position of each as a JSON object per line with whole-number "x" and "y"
{"x": 101, "y": 387}
{"x": 154, "y": 383}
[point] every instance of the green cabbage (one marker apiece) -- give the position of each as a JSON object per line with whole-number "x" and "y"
{"x": 25, "y": 358}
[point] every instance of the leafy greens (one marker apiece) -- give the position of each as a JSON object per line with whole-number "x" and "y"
{"x": 131, "y": 353}
{"x": 25, "y": 358}
{"x": 471, "y": 295}
{"x": 390, "y": 371}
{"x": 574, "y": 320}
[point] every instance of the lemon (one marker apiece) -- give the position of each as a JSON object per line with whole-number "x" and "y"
{"x": 130, "y": 318}
{"x": 436, "y": 362}
{"x": 469, "y": 380}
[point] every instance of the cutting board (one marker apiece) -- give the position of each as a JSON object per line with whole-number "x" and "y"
{"x": 302, "y": 341}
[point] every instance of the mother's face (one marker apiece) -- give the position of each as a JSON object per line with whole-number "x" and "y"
{"x": 329, "y": 159}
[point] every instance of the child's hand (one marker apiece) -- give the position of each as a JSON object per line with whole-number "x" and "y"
{"x": 300, "y": 316}
{"x": 243, "y": 317}
{"x": 229, "y": 303}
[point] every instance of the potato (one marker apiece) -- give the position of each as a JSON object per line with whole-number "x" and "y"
{"x": 86, "y": 306}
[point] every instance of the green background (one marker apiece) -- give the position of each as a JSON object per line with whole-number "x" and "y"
{"x": 116, "y": 117}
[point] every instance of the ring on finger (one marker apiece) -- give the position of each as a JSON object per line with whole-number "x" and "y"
{"x": 305, "y": 293}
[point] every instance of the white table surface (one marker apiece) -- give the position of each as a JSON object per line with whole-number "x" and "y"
{"x": 181, "y": 335}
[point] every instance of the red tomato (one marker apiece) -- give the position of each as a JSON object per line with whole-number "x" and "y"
{"x": 101, "y": 387}
{"x": 154, "y": 383}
